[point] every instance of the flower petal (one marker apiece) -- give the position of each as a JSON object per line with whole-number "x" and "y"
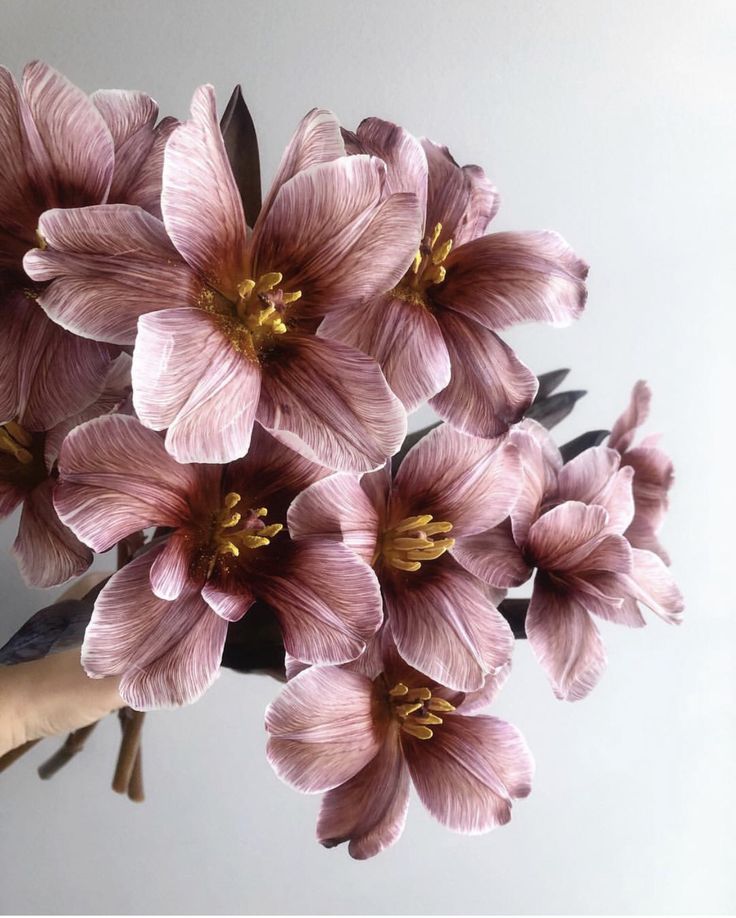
{"x": 562, "y": 538}
{"x": 73, "y": 132}
{"x": 540, "y": 464}
{"x": 170, "y": 571}
{"x": 321, "y": 729}
{"x": 469, "y": 772}
{"x": 594, "y": 477}
{"x": 461, "y": 198}
{"x": 402, "y": 153}
{"x": 507, "y": 278}
{"x": 168, "y": 653}
{"x": 445, "y": 626}
{"x": 327, "y": 600}
{"x": 403, "y": 338}
{"x": 369, "y": 810}
{"x": 130, "y": 118}
{"x": 188, "y": 376}
{"x": 200, "y": 202}
{"x": 47, "y": 552}
{"x": 565, "y": 641}
{"x": 20, "y": 201}
{"x": 635, "y": 414}
{"x": 144, "y": 188}
{"x": 46, "y": 373}
{"x": 655, "y": 586}
{"x": 477, "y": 701}
{"x": 470, "y": 482}
{"x": 116, "y": 478}
{"x": 108, "y": 265}
{"x": 490, "y": 388}
{"x": 331, "y": 403}
{"x": 335, "y": 237}
{"x": 493, "y": 556}
{"x": 231, "y": 606}
{"x": 337, "y": 508}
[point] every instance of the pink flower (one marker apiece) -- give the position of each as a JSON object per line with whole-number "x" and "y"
{"x": 434, "y": 332}
{"x": 223, "y": 319}
{"x": 653, "y": 472}
{"x": 441, "y": 617}
{"x": 48, "y": 552}
{"x": 60, "y": 148}
{"x": 569, "y": 524}
{"x": 364, "y": 741}
{"x": 161, "y": 621}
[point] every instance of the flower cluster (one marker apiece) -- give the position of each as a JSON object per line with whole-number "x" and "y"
{"x": 236, "y": 376}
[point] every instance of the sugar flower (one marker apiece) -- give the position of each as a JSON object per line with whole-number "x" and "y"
{"x": 366, "y": 741}
{"x": 60, "y": 148}
{"x": 222, "y": 318}
{"x": 448, "y": 487}
{"x": 434, "y": 332}
{"x": 161, "y": 621}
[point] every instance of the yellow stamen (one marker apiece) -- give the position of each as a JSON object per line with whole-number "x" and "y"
{"x": 40, "y": 241}
{"x": 10, "y": 445}
{"x": 17, "y": 433}
{"x": 436, "y": 234}
{"x": 417, "y": 263}
{"x": 292, "y": 297}
{"x": 412, "y": 540}
{"x": 270, "y": 531}
{"x": 270, "y": 280}
{"x": 417, "y": 730}
{"x": 245, "y": 288}
{"x": 231, "y": 500}
{"x": 441, "y": 254}
{"x": 427, "y": 719}
{"x": 261, "y": 511}
{"x": 398, "y": 690}
{"x": 440, "y": 704}
{"x": 423, "y": 693}
{"x": 405, "y": 565}
{"x": 404, "y": 710}
{"x": 413, "y": 522}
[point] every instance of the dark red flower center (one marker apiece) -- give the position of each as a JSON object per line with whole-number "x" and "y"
{"x": 21, "y": 456}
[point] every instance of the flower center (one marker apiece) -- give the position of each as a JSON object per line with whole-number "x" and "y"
{"x": 234, "y": 531}
{"x": 413, "y": 540}
{"x": 15, "y": 441}
{"x": 426, "y": 270}
{"x": 416, "y": 710}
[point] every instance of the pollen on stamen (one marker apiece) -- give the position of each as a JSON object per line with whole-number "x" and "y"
{"x": 411, "y": 542}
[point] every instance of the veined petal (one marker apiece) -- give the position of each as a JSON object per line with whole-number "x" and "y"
{"x": 337, "y": 508}
{"x": 168, "y": 653}
{"x": 335, "y": 237}
{"x": 565, "y": 641}
{"x": 490, "y": 388}
{"x": 144, "y": 188}
{"x": 116, "y": 478}
{"x": 74, "y": 134}
{"x": 461, "y": 198}
{"x": 170, "y": 572}
{"x": 20, "y": 201}
{"x": 402, "y": 153}
{"x": 188, "y": 376}
{"x": 108, "y": 265}
{"x": 331, "y": 403}
{"x": 229, "y": 605}
{"x": 636, "y": 413}
{"x": 316, "y": 140}
{"x": 46, "y": 373}
{"x": 445, "y": 626}
{"x": 200, "y": 202}
{"x": 468, "y": 481}
{"x": 655, "y": 587}
{"x": 47, "y": 552}
{"x": 470, "y": 771}
{"x": 369, "y": 810}
{"x": 562, "y": 538}
{"x": 540, "y": 465}
{"x": 507, "y": 278}
{"x": 327, "y": 600}
{"x": 321, "y": 729}
{"x": 403, "y": 338}
{"x": 493, "y": 556}
{"x": 494, "y": 682}
{"x": 594, "y": 477}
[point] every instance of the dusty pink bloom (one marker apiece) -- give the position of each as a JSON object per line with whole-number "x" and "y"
{"x": 161, "y": 621}
{"x": 46, "y": 551}
{"x": 569, "y": 524}
{"x": 653, "y": 472}
{"x": 365, "y": 741}
{"x": 434, "y": 333}
{"x": 60, "y": 148}
{"x": 449, "y": 487}
{"x": 223, "y": 318}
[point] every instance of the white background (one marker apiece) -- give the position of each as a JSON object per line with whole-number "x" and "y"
{"x": 611, "y": 122}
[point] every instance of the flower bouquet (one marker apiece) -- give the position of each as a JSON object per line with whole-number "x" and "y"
{"x": 218, "y": 384}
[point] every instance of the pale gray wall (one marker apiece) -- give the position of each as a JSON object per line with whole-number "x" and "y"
{"x": 613, "y": 123}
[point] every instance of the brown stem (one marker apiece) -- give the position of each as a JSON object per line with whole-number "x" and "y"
{"x": 132, "y": 722}
{"x": 73, "y": 744}
{"x": 7, "y": 760}
{"x": 135, "y": 788}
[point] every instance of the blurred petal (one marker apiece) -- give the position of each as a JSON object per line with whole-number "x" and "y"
{"x": 327, "y": 600}
{"x": 507, "y": 278}
{"x": 403, "y": 338}
{"x": 337, "y": 508}
{"x": 493, "y": 556}
{"x": 461, "y": 198}
{"x": 116, "y": 478}
{"x": 636, "y": 413}
{"x": 655, "y": 587}
{"x": 565, "y": 641}
{"x": 20, "y": 201}
{"x": 188, "y": 376}
{"x": 108, "y": 265}
{"x": 369, "y": 810}
{"x": 470, "y": 482}
{"x": 490, "y": 388}
{"x": 47, "y": 552}
{"x": 78, "y": 142}
{"x": 321, "y": 729}
{"x": 445, "y": 626}
{"x": 469, "y": 772}
{"x": 332, "y": 404}
{"x": 200, "y": 201}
